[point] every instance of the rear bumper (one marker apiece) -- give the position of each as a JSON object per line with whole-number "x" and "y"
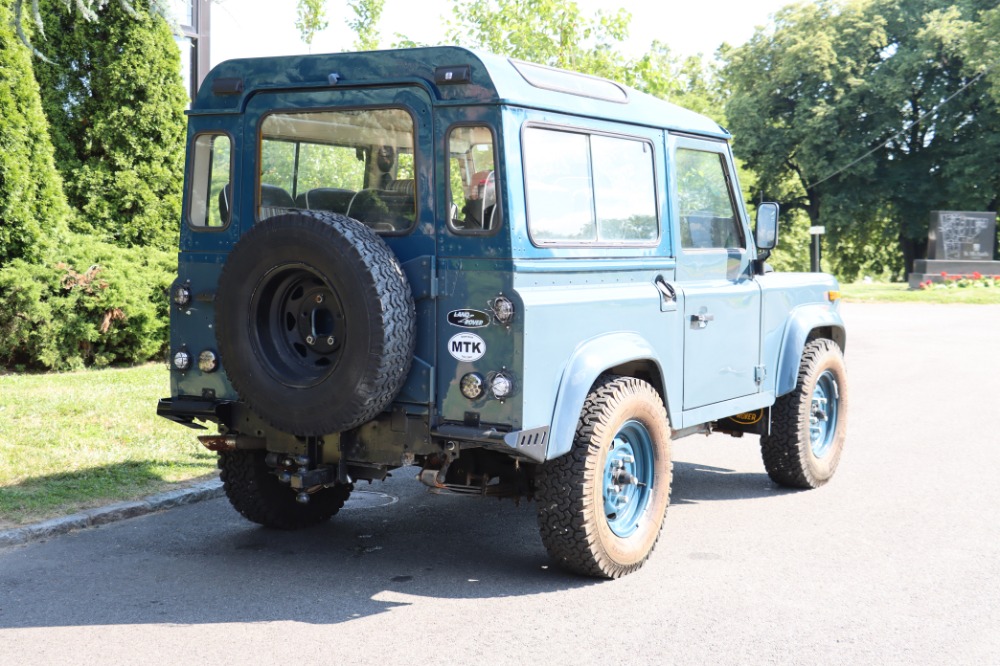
{"x": 185, "y": 411}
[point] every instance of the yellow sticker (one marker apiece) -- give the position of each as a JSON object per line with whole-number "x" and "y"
{"x": 748, "y": 418}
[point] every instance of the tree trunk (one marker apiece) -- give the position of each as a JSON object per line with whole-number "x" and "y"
{"x": 912, "y": 249}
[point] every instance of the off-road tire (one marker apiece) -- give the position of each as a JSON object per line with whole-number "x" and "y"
{"x": 571, "y": 489}
{"x": 788, "y": 452}
{"x": 333, "y": 358}
{"x": 258, "y": 495}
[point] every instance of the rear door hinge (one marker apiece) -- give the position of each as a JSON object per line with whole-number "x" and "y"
{"x": 421, "y": 273}
{"x": 759, "y": 374}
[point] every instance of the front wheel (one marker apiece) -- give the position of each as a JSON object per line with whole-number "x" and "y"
{"x": 601, "y": 506}
{"x": 809, "y": 425}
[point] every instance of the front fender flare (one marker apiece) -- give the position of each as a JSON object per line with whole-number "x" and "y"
{"x": 801, "y": 322}
{"x": 590, "y": 359}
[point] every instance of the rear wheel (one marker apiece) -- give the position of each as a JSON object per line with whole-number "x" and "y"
{"x": 809, "y": 425}
{"x": 601, "y": 507}
{"x": 254, "y": 491}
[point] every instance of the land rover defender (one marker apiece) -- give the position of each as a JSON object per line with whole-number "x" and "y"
{"x": 523, "y": 281}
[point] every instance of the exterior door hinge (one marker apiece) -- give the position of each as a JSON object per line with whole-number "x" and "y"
{"x": 759, "y": 374}
{"x": 421, "y": 273}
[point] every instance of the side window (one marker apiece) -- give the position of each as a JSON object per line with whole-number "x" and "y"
{"x": 472, "y": 182}
{"x": 357, "y": 163}
{"x": 707, "y": 216}
{"x": 558, "y": 187}
{"x": 584, "y": 188}
{"x": 210, "y": 177}
{"x": 624, "y": 189}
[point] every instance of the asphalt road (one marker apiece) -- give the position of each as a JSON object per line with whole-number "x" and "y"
{"x": 897, "y": 560}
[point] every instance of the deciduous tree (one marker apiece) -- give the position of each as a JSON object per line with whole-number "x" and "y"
{"x": 864, "y": 115}
{"x": 310, "y": 19}
{"x": 543, "y": 31}
{"x": 367, "y": 14}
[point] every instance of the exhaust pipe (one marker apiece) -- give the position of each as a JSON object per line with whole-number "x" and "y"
{"x": 222, "y": 443}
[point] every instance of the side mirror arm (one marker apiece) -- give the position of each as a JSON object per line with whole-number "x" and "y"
{"x": 760, "y": 262}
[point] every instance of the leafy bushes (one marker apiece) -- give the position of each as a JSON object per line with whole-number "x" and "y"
{"x": 88, "y": 303}
{"x": 114, "y": 103}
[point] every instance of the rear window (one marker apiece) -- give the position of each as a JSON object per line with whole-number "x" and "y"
{"x": 472, "y": 180}
{"x": 358, "y": 163}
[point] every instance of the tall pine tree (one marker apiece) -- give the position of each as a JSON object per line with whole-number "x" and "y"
{"x": 32, "y": 204}
{"x": 115, "y": 101}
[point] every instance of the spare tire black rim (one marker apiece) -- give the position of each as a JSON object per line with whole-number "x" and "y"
{"x": 296, "y": 325}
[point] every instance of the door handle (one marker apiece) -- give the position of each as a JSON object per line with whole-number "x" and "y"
{"x": 701, "y": 320}
{"x": 666, "y": 291}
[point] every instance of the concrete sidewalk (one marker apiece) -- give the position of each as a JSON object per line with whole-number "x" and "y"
{"x": 112, "y": 513}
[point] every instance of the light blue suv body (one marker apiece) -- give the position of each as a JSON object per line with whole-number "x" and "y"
{"x": 550, "y": 230}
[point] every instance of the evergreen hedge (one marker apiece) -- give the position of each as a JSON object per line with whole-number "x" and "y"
{"x": 115, "y": 101}
{"x": 32, "y": 204}
{"x": 86, "y": 302}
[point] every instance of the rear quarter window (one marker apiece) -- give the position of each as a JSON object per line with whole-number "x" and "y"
{"x": 586, "y": 188}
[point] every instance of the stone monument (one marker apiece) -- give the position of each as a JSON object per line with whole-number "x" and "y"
{"x": 959, "y": 243}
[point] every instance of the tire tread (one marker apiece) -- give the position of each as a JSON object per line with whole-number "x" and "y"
{"x": 385, "y": 286}
{"x": 786, "y": 450}
{"x": 569, "y": 534}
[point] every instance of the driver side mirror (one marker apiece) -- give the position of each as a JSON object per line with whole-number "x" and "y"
{"x": 767, "y": 226}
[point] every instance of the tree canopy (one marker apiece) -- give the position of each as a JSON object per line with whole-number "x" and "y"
{"x": 865, "y": 115}
{"x": 310, "y": 19}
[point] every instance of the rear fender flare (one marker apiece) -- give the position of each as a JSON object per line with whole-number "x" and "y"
{"x": 588, "y": 362}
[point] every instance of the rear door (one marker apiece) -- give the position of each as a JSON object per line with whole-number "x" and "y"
{"x": 366, "y": 153}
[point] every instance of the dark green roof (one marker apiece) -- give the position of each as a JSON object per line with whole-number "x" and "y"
{"x": 494, "y": 80}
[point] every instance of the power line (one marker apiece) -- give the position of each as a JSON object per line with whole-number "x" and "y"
{"x": 905, "y": 129}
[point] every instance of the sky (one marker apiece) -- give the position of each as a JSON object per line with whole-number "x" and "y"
{"x": 243, "y": 28}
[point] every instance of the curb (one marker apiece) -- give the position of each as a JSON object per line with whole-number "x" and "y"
{"x": 113, "y": 513}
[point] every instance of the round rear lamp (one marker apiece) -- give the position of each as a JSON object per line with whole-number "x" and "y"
{"x": 473, "y": 385}
{"x": 182, "y": 295}
{"x": 182, "y": 360}
{"x": 501, "y": 385}
{"x": 503, "y": 309}
{"x": 208, "y": 361}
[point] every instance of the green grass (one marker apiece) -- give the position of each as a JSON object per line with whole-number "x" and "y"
{"x": 897, "y": 292}
{"x": 76, "y": 440}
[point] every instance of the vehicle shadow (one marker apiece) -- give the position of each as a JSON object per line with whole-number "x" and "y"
{"x": 695, "y": 482}
{"x": 203, "y": 563}
{"x": 394, "y": 545}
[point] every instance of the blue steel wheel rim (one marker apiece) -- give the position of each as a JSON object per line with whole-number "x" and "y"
{"x": 627, "y": 480}
{"x": 823, "y": 411}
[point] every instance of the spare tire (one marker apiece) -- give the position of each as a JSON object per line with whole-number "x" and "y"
{"x": 314, "y": 322}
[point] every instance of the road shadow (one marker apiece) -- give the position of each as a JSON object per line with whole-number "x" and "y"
{"x": 694, "y": 483}
{"x": 204, "y": 564}
{"x": 392, "y": 546}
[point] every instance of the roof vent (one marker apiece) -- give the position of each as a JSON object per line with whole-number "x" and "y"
{"x": 560, "y": 80}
